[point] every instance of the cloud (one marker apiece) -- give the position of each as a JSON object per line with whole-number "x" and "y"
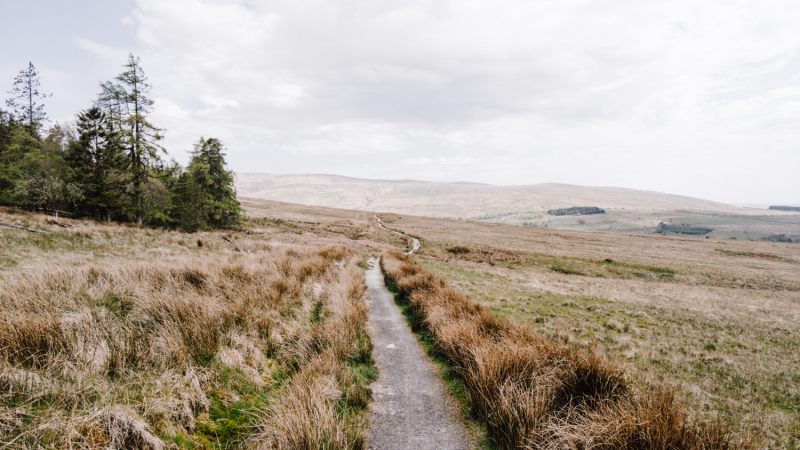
{"x": 643, "y": 94}
{"x": 104, "y": 51}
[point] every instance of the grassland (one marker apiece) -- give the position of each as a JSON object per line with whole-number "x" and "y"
{"x": 716, "y": 320}
{"x": 122, "y": 337}
{"x": 534, "y": 392}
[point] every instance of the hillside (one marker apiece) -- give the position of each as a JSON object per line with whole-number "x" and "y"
{"x": 459, "y": 200}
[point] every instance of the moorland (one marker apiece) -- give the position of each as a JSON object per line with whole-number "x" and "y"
{"x": 122, "y": 336}
{"x": 625, "y": 210}
{"x": 713, "y": 319}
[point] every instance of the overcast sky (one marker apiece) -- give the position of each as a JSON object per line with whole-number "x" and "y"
{"x": 698, "y": 98}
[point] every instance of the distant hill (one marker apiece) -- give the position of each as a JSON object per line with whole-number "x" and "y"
{"x": 460, "y": 200}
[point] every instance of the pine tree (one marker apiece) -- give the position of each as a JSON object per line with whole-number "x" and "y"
{"x": 95, "y": 158}
{"x": 190, "y": 206}
{"x": 204, "y": 195}
{"x": 208, "y": 168}
{"x": 24, "y": 101}
{"x": 128, "y": 106}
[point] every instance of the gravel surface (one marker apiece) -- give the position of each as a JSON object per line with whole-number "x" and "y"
{"x": 411, "y": 408}
{"x": 414, "y": 241}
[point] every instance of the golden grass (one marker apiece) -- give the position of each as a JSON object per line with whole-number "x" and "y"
{"x": 116, "y": 337}
{"x": 716, "y": 320}
{"x": 536, "y": 393}
{"x": 309, "y": 415}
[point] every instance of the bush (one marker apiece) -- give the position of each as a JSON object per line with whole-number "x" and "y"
{"x": 576, "y": 211}
{"x": 779, "y": 238}
{"x": 666, "y": 228}
{"x": 458, "y": 250}
{"x": 786, "y": 208}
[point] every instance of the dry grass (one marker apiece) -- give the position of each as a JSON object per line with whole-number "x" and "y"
{"x": 536, "y": 393}
{"x": 116, "y": 337}
{"x": 309, "y": 414}
{"x": 715, "y": 320}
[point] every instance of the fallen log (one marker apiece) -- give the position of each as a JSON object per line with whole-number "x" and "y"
{"x": 23, "y": 228}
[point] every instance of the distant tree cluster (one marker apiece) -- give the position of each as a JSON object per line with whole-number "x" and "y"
{"x": 109, "y": 165}
{"x": 458, "y": 250}
{"x": 779, "y": 238}
{"x": 666, "y": 228}
{"x": 576, "y": 211}
{"x": 786, "y": 208}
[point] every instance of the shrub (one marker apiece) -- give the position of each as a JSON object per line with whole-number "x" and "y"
{"x": 576, "y": 211}
{"x": 666, "y": 228}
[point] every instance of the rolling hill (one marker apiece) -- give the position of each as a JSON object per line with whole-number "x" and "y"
{"x": 460, "y": 200}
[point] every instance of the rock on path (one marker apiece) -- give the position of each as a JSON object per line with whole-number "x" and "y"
{"x": 411, "y": 408}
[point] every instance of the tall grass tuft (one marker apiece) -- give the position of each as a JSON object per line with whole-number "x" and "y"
{"x": 533, "y": 393}
{"x": 184, "y": 351}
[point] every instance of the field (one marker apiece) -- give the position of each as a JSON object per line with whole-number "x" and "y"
{"x": 715, "y": 319}
{"x": 627, "y": 210}
{"x": 756, "y": 224}
{"x": 91, "y": 358}
{"x": 122, "y": 337}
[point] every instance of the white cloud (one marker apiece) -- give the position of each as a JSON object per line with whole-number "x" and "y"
{"x": 103, "y": 51}
{"x": 690, "y": 98}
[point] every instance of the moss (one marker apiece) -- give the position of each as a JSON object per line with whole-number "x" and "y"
{"x": 230, "y": 418}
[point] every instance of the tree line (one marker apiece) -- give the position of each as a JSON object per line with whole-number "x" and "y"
{"x": 109, "y": 165}
{"x": 575, "y": 211}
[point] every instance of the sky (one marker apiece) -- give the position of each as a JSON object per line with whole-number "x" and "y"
{"x": 697, "y": 98}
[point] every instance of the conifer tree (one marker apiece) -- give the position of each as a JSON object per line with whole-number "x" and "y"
{"x": 128, "y": 105}
{"x": 208, "y": 166}
{"x": 190, "y": 205}
{"x": 25, "y": 100}
{"x": 95, "y": 159}
{"x": 204, "y": 195}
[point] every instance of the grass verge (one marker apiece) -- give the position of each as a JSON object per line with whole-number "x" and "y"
{"x": 531, "y": 392}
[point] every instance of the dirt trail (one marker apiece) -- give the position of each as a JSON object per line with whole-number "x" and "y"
{"x": 414, "y": 241}
{"x": 411, "y": 408}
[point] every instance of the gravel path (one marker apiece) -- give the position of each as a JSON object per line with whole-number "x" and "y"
{"x": 411, "y": 408}
{"x": 414, "y": 241}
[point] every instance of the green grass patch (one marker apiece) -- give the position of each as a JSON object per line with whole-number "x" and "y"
{"x": 566, "y": 271}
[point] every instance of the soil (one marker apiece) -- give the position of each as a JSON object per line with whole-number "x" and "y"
{"x": 411, "y": 408}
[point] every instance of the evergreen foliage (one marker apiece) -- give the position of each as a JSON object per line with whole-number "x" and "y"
{"x": 576, "y": 211}
{"x": 109, "y": 165}
{"x": 24, "y": 101}
{"x": 205, "y": 196}
{"x": 95, "y": 159}
{"x": 682, "y": 228}
{"x": 128, "y": 105}
{"x": 786, "y": 208}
